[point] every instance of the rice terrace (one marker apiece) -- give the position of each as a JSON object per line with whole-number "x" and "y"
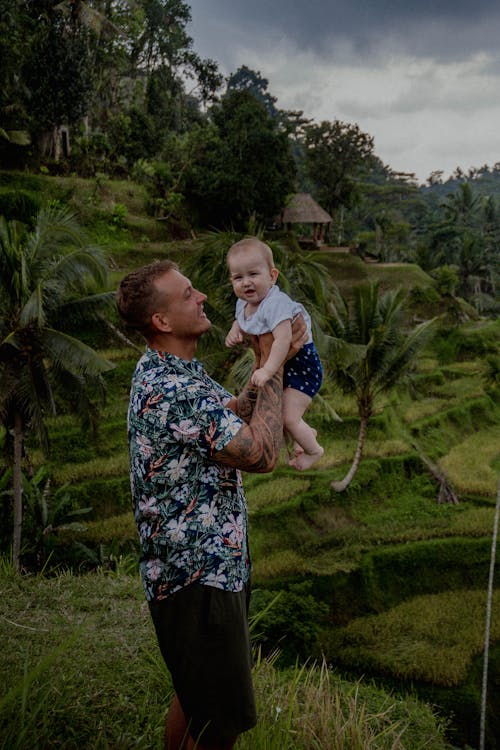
{"x": 375, "y": 593}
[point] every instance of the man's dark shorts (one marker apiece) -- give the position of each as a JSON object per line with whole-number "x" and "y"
{"x": 203, "y": 636}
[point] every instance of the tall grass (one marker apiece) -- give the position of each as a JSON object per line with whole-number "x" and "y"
{"x": 275, "y": 491}
{"x": 82, "y": 671}
{"x": 310, "y": 707}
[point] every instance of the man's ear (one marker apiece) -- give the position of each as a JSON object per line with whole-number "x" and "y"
{"x": 161, "y": 323}
{"x": 274, "y": 274}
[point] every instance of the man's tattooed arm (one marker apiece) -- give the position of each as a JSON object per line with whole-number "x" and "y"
{"x": 243, "y": 405}
{"x": 256, "y": 446}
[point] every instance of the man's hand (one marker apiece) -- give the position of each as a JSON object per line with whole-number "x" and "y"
{"x": 299, "y": 336}
{"x": 262, "y": 344}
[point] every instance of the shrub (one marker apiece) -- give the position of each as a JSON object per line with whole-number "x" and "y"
{"x": 398, "y": 572}
{"x": 422, "y": 295}
{"x": 21, "y": 205}
{"x": 290, "y": 621}
{"x": 447, "y": 279}
{"x": 105, "y": 496}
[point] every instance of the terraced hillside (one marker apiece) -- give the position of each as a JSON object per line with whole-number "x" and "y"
{"x": 382, "y": 579}
{"x": 403, "y": 578}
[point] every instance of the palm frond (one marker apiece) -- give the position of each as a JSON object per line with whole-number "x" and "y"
{"x": 240, "y": 372}
{"x": 74, "y": 268}
{"x": 70, "y": 354}
{"x": 341, "y": 352}
{"x": 87, "y": 308}
{"x": 398, "y": 363}
{"x": 33, "y": 309}
{"x": 56, "y": 227}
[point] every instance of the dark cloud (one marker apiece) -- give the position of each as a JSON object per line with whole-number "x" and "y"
{"x": 423, "y": 77}
{"x": 448, "y": 29}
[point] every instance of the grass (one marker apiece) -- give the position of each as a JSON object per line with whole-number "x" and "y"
{"x": 82, "y": 671}
{"x": 429, "y": 638}
{"x": 275, "y": 491}
{"x": 118, "y": 528}
{"x": 425, "y": 407}
{"x": 310, "y": 708}
{"x": 325, "y": 533}
{"x": 97, "y": 468}
{"x": 342, "y": 452}
{"x": 82, "y": 666}
{"x": 469, "y": 465}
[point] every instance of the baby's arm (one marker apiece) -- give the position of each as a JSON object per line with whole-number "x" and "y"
{"x": 235, "y": 335}
{"x": 282, "y": 336}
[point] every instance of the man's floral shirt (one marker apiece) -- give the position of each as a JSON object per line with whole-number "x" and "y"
{"x": 190, "y": 511}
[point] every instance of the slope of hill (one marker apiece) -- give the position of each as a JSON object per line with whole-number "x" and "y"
{"x": 382, "y": 558}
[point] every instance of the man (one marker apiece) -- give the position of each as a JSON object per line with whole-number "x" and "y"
{"x": 188, "y": 439}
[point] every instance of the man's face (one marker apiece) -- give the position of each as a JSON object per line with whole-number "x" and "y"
{"x": 182, "y": 310}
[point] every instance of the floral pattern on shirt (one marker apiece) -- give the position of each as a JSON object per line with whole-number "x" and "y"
{"x": 190, "y": 511}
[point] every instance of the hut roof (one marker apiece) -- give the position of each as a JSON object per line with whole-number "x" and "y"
{"x": 303, "y": 209}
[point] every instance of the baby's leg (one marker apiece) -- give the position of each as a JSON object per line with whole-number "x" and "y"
{"x": 294, "y": 405}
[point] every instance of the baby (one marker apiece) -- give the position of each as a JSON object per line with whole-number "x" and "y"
{"x": 261, "y": 307}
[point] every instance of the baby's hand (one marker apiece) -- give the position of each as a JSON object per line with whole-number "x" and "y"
{"x": 260, "y": 377}
{"x": 233, "y": 338}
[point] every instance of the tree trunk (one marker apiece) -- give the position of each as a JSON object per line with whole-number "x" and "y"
{"x": 446, "y": 492}
{"x": 345, "y": 482}
{"x": 18, "y": 491}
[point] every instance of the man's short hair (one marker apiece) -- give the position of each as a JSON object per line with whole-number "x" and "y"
{"x": 137, "y": 297}
{"x": 252, "y": 243}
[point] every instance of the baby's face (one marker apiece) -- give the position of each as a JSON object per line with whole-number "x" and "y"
{"x": 251, "y": 276}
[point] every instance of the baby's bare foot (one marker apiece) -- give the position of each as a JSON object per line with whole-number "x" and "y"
{"x": 297, "y": 448}
{"x": 304, "y": 460}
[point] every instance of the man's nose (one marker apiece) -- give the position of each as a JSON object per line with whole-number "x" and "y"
{"x": 201, "y": 297}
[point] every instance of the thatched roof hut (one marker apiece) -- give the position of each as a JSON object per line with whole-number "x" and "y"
{"x": 303, "y": 209}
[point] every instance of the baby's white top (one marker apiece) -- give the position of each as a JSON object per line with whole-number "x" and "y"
{"x": 274, "y": 308}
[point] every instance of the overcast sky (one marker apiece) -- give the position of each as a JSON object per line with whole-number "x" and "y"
{"x": 422, "y": 78}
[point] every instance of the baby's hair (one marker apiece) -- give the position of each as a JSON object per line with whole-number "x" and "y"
{"x": 251, "y": 243}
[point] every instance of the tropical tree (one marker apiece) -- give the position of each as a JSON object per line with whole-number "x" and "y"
{"x": 335, "y": 153}
{"x": 12, "y": 113}
{"x": 48, "y": 278}
{"x": 463, "y": 208}
{"x": 57, "y": 72}
{"x": 243, "y": 165}
{"x": 374, "y": 321}
{"x": 246, "y": 79}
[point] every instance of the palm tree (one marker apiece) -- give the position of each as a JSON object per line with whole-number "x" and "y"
{"x": 463, "y": 208}
{"x": 375, "y": 322}
{"x": 47, "y": 277}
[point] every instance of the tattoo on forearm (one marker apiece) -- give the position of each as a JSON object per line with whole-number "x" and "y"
{"x": 256, "y": 446}
{"x": 246, "y": 403}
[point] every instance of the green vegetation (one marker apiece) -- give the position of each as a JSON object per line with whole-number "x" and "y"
{"x": 431, "y": 638}
{"x": 51, "y": 282}
{"x": 83, "y": 670}
{"x": 382, "y": 558}
{"x": 382, "y": 549}
{"x": 108, "y": 114}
